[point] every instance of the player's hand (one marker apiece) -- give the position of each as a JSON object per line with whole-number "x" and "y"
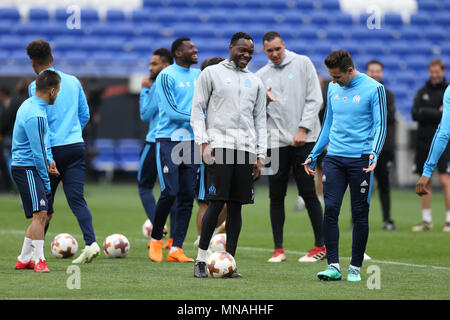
{"x": 207, "y": 154}
{"x": 52, "y": 170}
{"x": 372, "y": 164}
{"x": 269, "y": 96}
{"x": 146, "y": 82}
{"x": 299, "y": 139}
{"x": 423, "y": 186}
{"x": 257, "y": 168}
{"x": 308, "y": 170}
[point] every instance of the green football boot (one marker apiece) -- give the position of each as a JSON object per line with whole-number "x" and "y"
{"x": 354, "y": 275}
{"x": 331, "y": 274}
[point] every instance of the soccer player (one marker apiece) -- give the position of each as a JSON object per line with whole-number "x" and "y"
{"x": 354, "y": 129}
{"x": 148, "y": 107}
{"x": 438, "y": 146}
{"x": 31, "y": 161}
{"x": 201, "y": 180}
{"x": 232, "y": 137}
{"x": 427, "y": 111}
{"x": 374, "y": 69}
{"x": 66, "y": 121}
{"x": 175, "y": 149}
{"x": 294, "y": 102}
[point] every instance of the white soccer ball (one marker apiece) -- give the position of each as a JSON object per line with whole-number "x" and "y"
{"x": 64, "y": 246}
{"x": 116, "y": 246}
{"x": 221, "y": 264}
{"x": 147, "y": 228}
{"x": 218, "y": 242}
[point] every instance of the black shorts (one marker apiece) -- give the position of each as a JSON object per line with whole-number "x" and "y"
{"x": 443, "y": 165}
{"x": 230, "y": 178}
{"x": 31, "y": 189}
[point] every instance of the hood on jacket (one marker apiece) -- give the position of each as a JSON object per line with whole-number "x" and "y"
{"x": 232, "y": 65}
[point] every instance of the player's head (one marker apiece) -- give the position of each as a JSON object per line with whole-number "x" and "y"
{"x": 241, "y": 49}
{"x": 161, "y": 59}
{"x": 47, "y": 86}
{"x": 374, "y": 69}
{"x": 40, "y": 54}
{"x": 436, "y": 69}
{"x": 184, "y": 51}
{"x": 340, "y": 67}
{"x": 211, "y": 61}
{"x": 274, "y": 47}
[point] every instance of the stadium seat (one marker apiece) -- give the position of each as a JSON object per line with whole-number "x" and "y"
{"x": 11, "y": 43}
{"x": 114, "y": 15}
{"x": 421, "y": 19}
{"x": 393, "y": 19}
{"x": 38, "y": 14}
{"x": 9, "y": 14}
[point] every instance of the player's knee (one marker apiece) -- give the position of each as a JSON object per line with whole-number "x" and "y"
{"x": 40, "y": 217}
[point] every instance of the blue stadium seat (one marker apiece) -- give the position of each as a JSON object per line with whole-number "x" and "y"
{"x": 26, "y": 28}
{"x": 141, "y": 45}
{"x": 445, "y": 48}
{"x": 412, "y": 33}
{"x": 400, "y": 48}
{"x": 341, "y": 18}
{"x": 307, "y": 32}
{"x": 89, "y": 15}
{"x": 65, "y": 44}
{"x": 114, "y": 44}
{"x": 75, "y": 57}
{"x": 376, "y": 48}
{"x": 421, "y": 48}
{"x": 20, "y": 57}
{"x": 430, "y": 5}
{"x": 306, "y": 4}
{"x": 9, "y": 14}
{"x": 393, "y": 19}
{"x": 442, "y": 18}
{"x": 141, "y": 15}
{"x": 436, "y": 33}
{"x": 320, "y": 18}
{"x": 91, "y": 43}
{"x": 421, "y": 19}
{"x": 38, "y": 14}
{"x": 336, "y": 34}
{"x": 11, "y": 43}
{"x": 418, "y": 63}
{"x": 114, "y": 15}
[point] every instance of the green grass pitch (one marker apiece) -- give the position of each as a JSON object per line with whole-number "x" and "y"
{"x": 410, "y": 265}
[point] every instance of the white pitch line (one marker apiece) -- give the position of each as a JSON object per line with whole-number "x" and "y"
{"x": 20, "y": 232}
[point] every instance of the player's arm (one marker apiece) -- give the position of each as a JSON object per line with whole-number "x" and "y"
{"x": 322, "y": 140}
{"x": 313, "y": 99}
{"x": 148, "y": 105}
{"x": 200, "y": 101}
{"x": 379, "y": 113}
{"x": 36, "y": 131}
{"x": 83, "y": 107}
{"x": 165, "y": 88}
{"x": 260, "y": 123}
{"x": 440, "y": 139}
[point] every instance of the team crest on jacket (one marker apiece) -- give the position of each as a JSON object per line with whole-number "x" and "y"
{"x": 248, "y": 83}
{"x": 356, "y": 98}
{"x": 291, "y": 76}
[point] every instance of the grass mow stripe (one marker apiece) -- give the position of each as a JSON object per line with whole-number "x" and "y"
{"x": 404, "y": 264}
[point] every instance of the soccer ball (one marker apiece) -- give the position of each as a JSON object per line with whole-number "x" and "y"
{"x": 64, "y": 246}
{"x": 147, "y": 228}
{"x": 218, "y": 242}
{"x": 221, "y": 264}
{"x": 116, "y": 246}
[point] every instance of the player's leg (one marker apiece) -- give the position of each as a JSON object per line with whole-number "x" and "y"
{"x": 420, "y": 158}
{"x": 73, "y": 185}
{"x": 168, "y": 173}
{"x": 277, "y": 192}
{"x": 360, "y": 184}
{"x": 444, "y": 179}
{"x": 185, "y": 200}
{"x": 217, "y": 191}
{"x": 381, "y": 173}
{"x": 54, "y": 183}
{"x": 307, "y": 189}
{"x": 35, "y": 205}
{"x": 146, "y": 177}
{"x": 334, "y": 186}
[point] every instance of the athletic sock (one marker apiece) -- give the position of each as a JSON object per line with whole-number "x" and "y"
{"x": 447, "y": 217}
{"x": 27, "y": 250}
{"x": 38, "y": 249}
{"x": 357, "y": 268}
{"x": 202, "y": 255}
{"x": 173, "y": 249}
{"x": 426, "y": 215}
{"x": 336, "y": 265}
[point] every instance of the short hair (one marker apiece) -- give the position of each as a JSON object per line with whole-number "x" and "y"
{"x": 166, "y": 55}
{"x": 339, "y": 59}
{"x": 240, "y": 35}
{"x": 368, "y": 64}
{"x": 210, "y": 62}
{"x": 269, "y": 36}
{"x": 437, "y": 62}
{"x": 177, "y": 44}
{"x": 40, "y": 51}
{"x": 46, "y": 80}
